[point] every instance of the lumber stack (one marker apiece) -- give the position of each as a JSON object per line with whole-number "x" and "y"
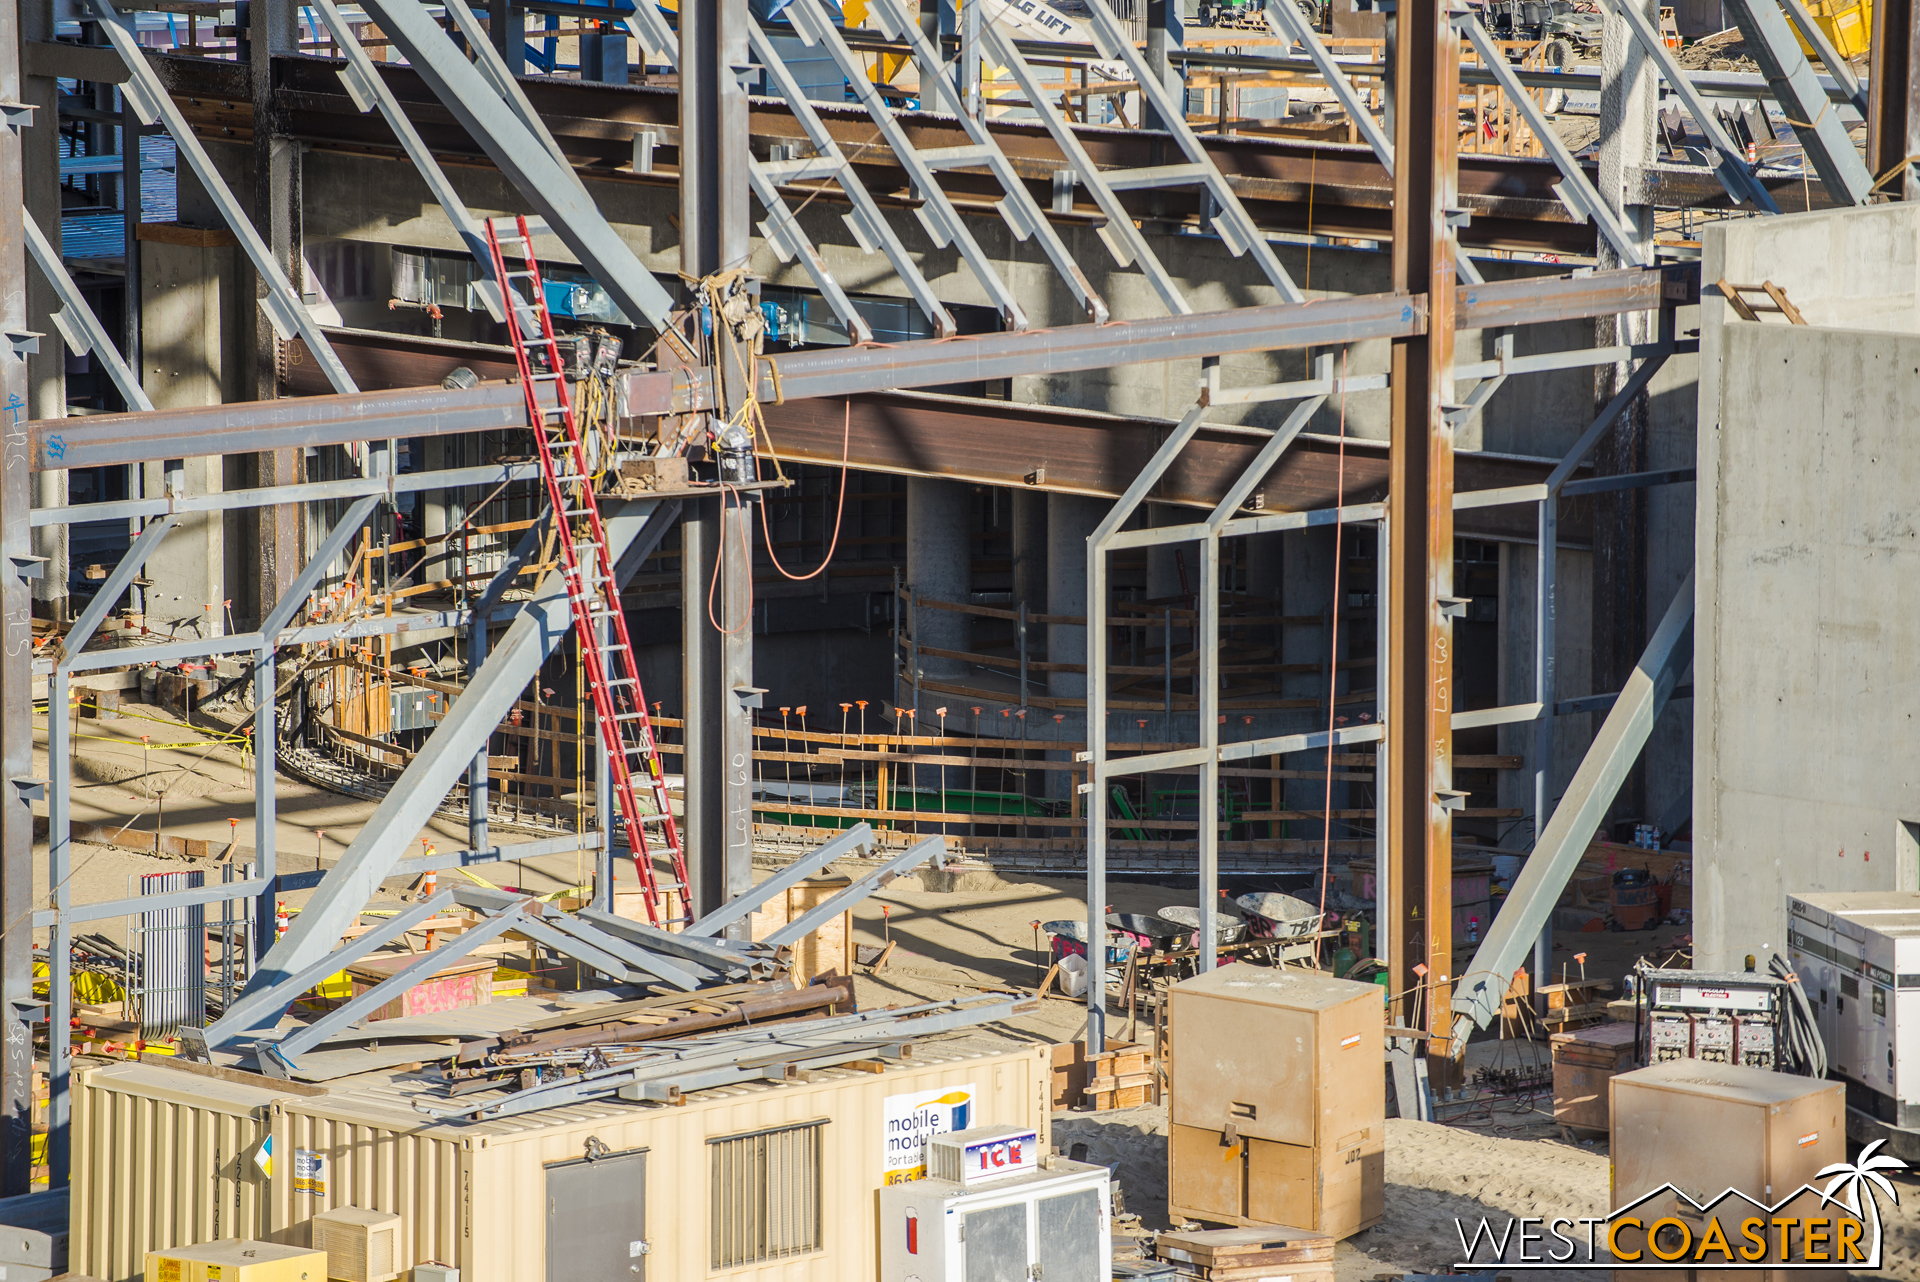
{"x": 1245, "y": 1254}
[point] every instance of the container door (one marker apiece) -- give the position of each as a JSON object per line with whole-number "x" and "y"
{"x": 597, "y": 1219}
{"x": 995, "y": 1242}
{"x": 1067, "y": 1243}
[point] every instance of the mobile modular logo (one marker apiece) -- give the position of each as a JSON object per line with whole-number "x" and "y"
{"x": 1755, "y": 1235}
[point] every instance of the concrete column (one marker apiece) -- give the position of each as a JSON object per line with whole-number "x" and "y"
{"x": 186, "y": 299}
{"x": 1030, "y": 549}
{"x": 940, "y": 568}
{"x": 273, "y": 28}
{"x": 1266, "y": 557}
{"x": 1070, "y": 519}
{"x": 1163, "y": 568}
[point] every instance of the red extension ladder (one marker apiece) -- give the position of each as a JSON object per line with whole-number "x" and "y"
{"x": 618, "y": 701}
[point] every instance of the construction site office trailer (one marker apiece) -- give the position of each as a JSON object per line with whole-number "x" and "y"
{"x": 765, "y": 1181}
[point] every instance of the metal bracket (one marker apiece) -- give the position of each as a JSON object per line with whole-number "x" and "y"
{"x": 30, "y": 789}
{"x": 25, "y": 342}
{"x": 16, "y": 115}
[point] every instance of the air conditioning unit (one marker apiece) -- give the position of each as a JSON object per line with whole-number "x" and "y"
{"x": 1858, "y": 954}
{"x": 236, "y": 1260}
{"x": 361, "y": 1246}
{"x": 1050, "y": 1220}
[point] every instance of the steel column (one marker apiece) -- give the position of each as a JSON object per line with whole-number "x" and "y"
{"x": 1893, "y": 116}
{"x": 16, "y": 629}
{"x": 716, "y": 559}
{"x": 1416, "y": 814}
{"x": 1166, "y": 36}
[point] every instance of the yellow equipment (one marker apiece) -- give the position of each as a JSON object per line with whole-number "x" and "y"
{"x": 1848, "y": 23}
{"x": 237, "y": 1260}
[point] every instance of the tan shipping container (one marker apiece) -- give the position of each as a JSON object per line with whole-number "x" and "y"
{"x": 1278, "y": 1100}
{"x": 480, "y": 1195}
{"x": 160, "y": 1160}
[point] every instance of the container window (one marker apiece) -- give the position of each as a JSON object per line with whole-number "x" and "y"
{"x": 765, "y": 1196}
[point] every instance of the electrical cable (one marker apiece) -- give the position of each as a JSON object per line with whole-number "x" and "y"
{"x": 1802, "y": 1050}
{"x": 846, "y": 449}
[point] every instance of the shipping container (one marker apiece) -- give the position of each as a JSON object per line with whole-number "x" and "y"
{"x": 776, "y": 1181}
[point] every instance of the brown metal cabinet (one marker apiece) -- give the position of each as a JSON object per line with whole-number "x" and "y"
{"x": 1706, "y": 1127}
{"x": 1278, "y": 1100}
{"x": 1583, "y": 1063}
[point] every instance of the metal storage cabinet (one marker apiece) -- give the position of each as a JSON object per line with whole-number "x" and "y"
{"x": 1706, "y": 1127}
{"x": 1278, "y": 1100}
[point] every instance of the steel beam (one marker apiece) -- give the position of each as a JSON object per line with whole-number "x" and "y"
{"x": 1575, "y": 190}
{"x": 937, "y": 215}
{"x": 108, "y": 439}
{"x": 858, "y": 838}
{"x": 526, "y": 155}
{"x": 699, "y": 960}
{"x": 724, "y": 959}
{"x": 287, "y": 1050}
{"x": 1018, "y": 208}
{"x": 535, "y": 634}
{"x": 1846, "y": 86}
{"x": 1564, "y": 839}
{"x": 612, "y": 957}
{"x": 79, "y": 327}
{"x": 1729, "y": 164}
{"x": 281, "y": 994}
{"x": 311, "y": 573}
{"x": 1822, "y": 136}
{"x": 308, "y": 492}
{"x": 116, "y": 582}
{"x": 1419, "y": 731}
{"x": 282, "y": 305}
{"x": 934, "y": 848}
{"x": 361, "y": 76}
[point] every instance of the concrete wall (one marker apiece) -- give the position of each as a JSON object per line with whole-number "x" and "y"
{"x": 1809, "y": 556}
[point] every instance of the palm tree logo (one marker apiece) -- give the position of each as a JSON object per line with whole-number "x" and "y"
{"x": 1851, "y": 1178}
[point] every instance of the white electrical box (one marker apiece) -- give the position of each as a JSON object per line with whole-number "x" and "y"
{"x": 1858, "y": 958}
{"x": 361, "y": 1246}
{"x": 1052, "y": 1221}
